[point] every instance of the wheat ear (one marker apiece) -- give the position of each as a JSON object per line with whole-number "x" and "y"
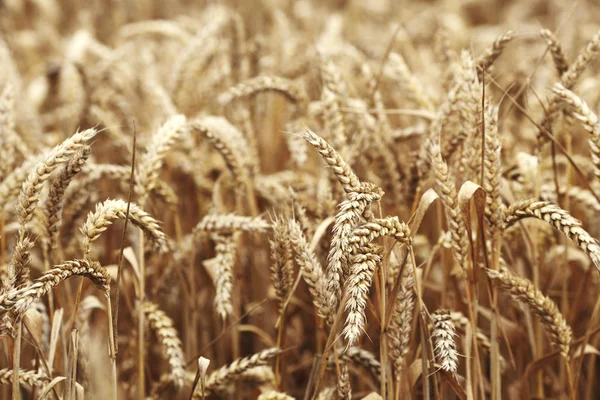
{"x": 558, "y": 56}
{"x": 28, "y": 377}
{"x": 402, "y": 317}
{"x": 487, "y": 59}
{"x": 589, "y": 120}
{"x": 231, "y": 372}
{"x": 273, "y": 395}
{"x": 162, "y": 326}
{"x": 443, "y": 338}
{"x": 523, "y": 290}
{"x": 54, "y": 203}
{"x": 229, "y": 223}
{"x": 282, "y": 266}
{"x": 225, "y": 251}
{"x": 111, "y": 210}
{"x": 160, "y": 144}
{"x": 269, "y": 83}
{"x": 559, "y": 219}
{"x": 18, "y": 301}
{"x": 344, "y": 388}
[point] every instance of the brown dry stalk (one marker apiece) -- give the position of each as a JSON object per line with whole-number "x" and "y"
{"x": 559, "y": 219}
{"x": 558, "y": 56}
{"x": 54, "y": 204}
{"x": 443, "y": 337}
{"x": 523, "y": 290}
{"x": 225, "y": 251}
{"x": 168, "y": 337}
{"x": 259, "y": 84}
{"x": 109, "y": 211}
{"x": 588, "y": 118}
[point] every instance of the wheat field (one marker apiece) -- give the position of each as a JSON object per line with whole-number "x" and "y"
{"x": 280, "y": 199}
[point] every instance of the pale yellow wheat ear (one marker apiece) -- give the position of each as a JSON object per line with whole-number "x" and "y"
{"x": 334, "y": 161}
{"x": 588, "y": 118}
{"x": 402, "y": 317}
{"x": 226, "y": 247}
{"x": 523, "y": 290}
{"x": 494, "y": 208}
{"x": 31, "y": 378}
{"x": 230, "y": 223}
{"x": 31, "y": 189}
{"x": 268, "y": 83}
{"x": 362, "y": 268}
{"x": 54, "y": 203}
{"x": 487, "y": 59}
{"x": 559, "y": 219}
{"x": 17, "y": 301}
{"x": 558, "y": 56}
{"x": 168, "y": 337}
{"x": 151, "y": 162}
{"x": 232, "y": 372}
{"x": 229, "y": 142}
{"x": 585, "y": 57}
{"x": 109, "y": 211}
{"x": 443, "y": 339}
{"x": 273, "y": 395}
{"x": 282, "y": 264}
{"x": 447, "y": 190}
{"x": 344, "y": 388}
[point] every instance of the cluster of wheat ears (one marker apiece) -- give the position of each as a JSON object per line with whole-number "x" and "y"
{"x": 310, "y": 200}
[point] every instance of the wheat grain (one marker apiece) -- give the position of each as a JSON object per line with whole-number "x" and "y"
{"x": 443, "y": 338}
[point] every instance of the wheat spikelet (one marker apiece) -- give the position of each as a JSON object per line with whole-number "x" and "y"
{"x": 588, "y": 119}
{"x": 162, "y": 326}
{"x": 18, "y": 301}
{"x": 231, "y": 372}
{"x": 366, "y": 233}
{"x": 54, "y": 203}
{"x": 401, "y": 319}
{"x": 28, "y": 377}
{"x": 160, "y": 144}
{"x": 363, "y": 358}
{"x": 229, "y": 223}
{"x": 225, "y": 251}
{"x": 10, "y": 186}
{"x": 334, "y": 161}
{"x": 273, "y": 395}
{"x": 30, "y": 191}
{"x": 357, "y": 286}
{"x": 523, "y": 290}
{"x": 443, "y": 338}
{"x": 20, "y": 264}
{"x": 493, "y": 169}
{"x": 111, "y": 210}
{"x": 310, "y": 268}
{"x": 559, "y": 219}
{"x": 259, "y": 84}
{"x": 585, "y": 57}
{"x": 399, "y": 71}
{"x": 449, "y": 196}
{"x": 282, "y": 266}
{"x": 343, "y": 384}
{"x": 487, "y": 59}
{"x": 228, "y": 141}
{"x": 357, "y": 205}
{"x": 558, "y": 56}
